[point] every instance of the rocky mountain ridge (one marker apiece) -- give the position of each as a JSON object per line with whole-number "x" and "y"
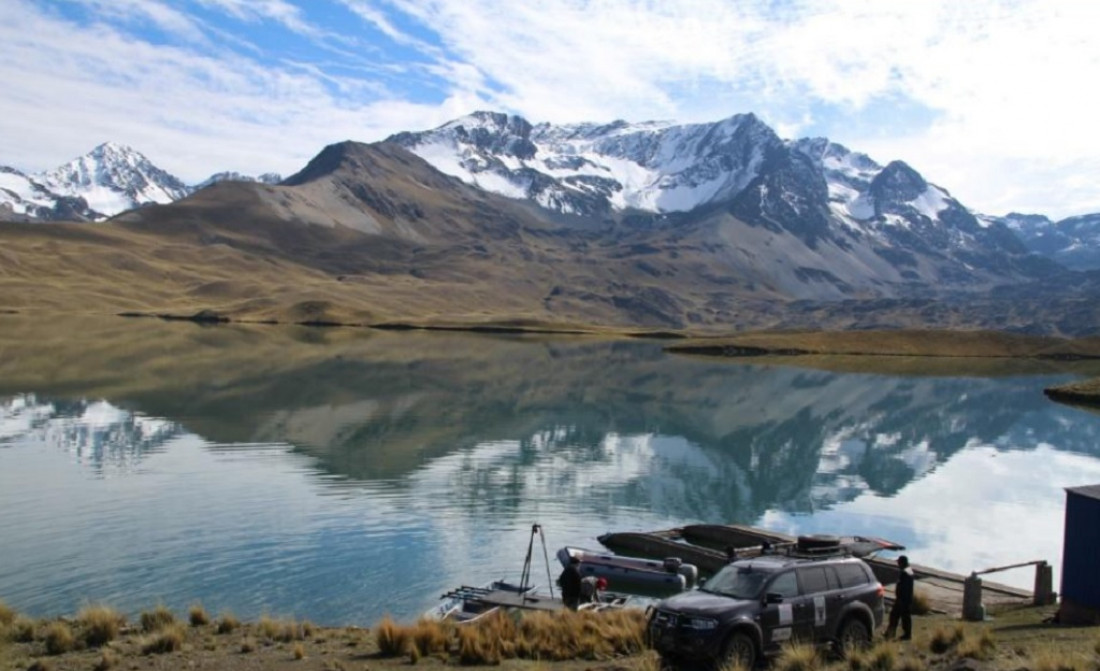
{"x": 811, "y": 187}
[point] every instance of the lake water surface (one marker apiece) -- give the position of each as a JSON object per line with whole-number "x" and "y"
{"x": 340, "y": 475}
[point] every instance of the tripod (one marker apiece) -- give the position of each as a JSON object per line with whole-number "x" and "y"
{"x": 525, "y": 578}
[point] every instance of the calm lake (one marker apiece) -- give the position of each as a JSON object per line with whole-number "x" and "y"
{"x": 340, "y": 475}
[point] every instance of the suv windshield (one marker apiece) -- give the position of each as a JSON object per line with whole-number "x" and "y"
{"x": 739, "y": 582}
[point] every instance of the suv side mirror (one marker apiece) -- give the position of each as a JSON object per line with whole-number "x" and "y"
{"x": 772, "y": 597}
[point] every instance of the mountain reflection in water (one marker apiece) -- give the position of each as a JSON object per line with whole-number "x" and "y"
{"x": 341, "y": 475}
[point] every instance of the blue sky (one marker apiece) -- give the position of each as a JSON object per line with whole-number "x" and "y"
{"x": 992, "y": 99}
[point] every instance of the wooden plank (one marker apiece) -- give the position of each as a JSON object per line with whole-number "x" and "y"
{"x": 508, "y": 599}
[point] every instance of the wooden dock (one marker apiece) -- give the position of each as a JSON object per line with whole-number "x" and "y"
{"x": 699, "y": 545}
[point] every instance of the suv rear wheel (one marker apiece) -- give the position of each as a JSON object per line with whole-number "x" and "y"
{"x": 740, "y": 651}
{"x": 853, "y": 635}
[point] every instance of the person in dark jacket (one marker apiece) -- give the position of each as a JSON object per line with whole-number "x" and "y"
{"x": 570, "y": 581}
{"x": 903, "y": 602}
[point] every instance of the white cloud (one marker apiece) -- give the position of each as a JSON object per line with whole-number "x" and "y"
{"x": 991, "y": 99}
{"x": 193, "y": 114}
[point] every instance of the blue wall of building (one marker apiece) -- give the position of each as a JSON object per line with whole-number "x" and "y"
{"x": 1081, "y": 550}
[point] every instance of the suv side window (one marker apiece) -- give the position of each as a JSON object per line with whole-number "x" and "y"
{"x": 813, "y": 580}
{"x": 784, "y": 585}
{"x": 851, "y": 575}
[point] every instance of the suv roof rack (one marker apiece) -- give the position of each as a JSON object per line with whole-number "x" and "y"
{"x": 818, "y": 546}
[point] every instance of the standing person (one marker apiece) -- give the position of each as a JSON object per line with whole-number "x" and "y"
{"x": 903, "y": 602}
{"x": 570, "y": 581}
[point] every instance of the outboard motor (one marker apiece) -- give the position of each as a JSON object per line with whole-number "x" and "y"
{"x": 689, "y": 572}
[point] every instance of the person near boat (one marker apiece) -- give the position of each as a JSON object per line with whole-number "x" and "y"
{"x": 903, "y": 602}
{"x": 570, "y": 582}
{"x": 591, "y": 588}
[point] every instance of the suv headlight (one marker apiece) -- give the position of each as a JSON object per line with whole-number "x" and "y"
{"x": 701, "y": 623}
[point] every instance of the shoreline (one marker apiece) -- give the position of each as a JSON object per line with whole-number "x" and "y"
{"x": 788, "y": 347}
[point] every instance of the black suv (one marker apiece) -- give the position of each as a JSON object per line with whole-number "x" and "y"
{"x": 752, "y": 606}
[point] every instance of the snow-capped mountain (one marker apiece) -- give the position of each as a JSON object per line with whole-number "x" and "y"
{"x": 109, "y": 179}
{"x": 22, "y": 197}
{"x": 113, "y": 178}
{"x": 230, "y": 176}
{"x": 813, "y": 189}
{"x": 588, "y": 169}
{"x": 1074, "y": 242}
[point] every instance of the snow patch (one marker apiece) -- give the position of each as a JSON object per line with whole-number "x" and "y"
{"x": 931, "y": 202}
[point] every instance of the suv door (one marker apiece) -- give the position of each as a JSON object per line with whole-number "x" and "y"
{"x": 819, "y": 584}
{"x": 790, "y": 618}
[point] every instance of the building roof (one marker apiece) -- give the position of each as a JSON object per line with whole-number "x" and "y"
{"x": 1091, "y": 491}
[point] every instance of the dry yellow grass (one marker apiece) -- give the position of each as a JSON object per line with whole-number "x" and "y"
{"x": 197, "y": 615}
{"x": 299, "y": 651}
{"x": 976, "y": 645}
{"x": 921, "y": 604}
{"x": 944, "y": 638}
{"x": 168, "y": 638}
{"x": 548, "y": 642}
{"x": 59, "y": 638}
{"x": 109, "y": 659}
{"x": 391, "y": 638}
{"x": 227, "y": 623}
{"x": 1056, "y": 658}
{"x": 799, "y": 657}
{"x": 23, "y": 629}
{"x": 99, "y": 624}
{"x": 157, "y": 619}
{"x": 431, "y": 637}
{"x": 883, "y": 657}
{"x": 7, "y": 615}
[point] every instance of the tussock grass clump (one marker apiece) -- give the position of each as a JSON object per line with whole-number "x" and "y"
{"x": 108, "y": 660}
{"x": 856, "y": 659}
{"x": 979, "y": 646}
{"x": 431, "y": 637}
{"x": 945, "y": 638}
{"x": 7, "y": 615}
{"x": 157, "y": 619}
{"x": 59, "y": 638}
{"x": 584, "y": 635}
{"x": 197, "y": 615}
{"x": 248, "y": 644}
{"x": 268, "y": 628}
{"x": 921, "y": 605}
{"x": 883, "y": 657}
{"x": 299, "y": 651}
{"x": 23, "y": 629}
{"x": 392, "y": 639}
{"x": 477, "y": 646}
{"x": 1055, "y": 658}
{"x": 99, "y": 625}
{"x": 798, "y": 657}
{"x": 169, "y": 638}
{"x": 227, "y": 624}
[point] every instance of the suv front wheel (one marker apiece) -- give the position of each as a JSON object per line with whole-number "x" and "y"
{"x": 853, "y": 635}
{"x": 739, "y": 651}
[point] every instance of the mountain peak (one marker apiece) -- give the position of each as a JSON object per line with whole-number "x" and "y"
{"x": 898, "y": 182}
